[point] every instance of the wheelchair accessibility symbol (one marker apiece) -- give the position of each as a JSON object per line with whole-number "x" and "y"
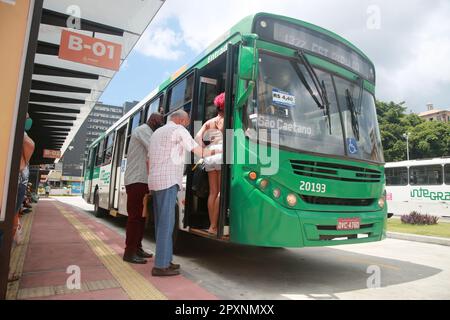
{"x": 352, "y": 146}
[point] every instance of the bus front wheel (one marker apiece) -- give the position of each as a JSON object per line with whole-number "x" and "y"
{"x": 98, "y": 212}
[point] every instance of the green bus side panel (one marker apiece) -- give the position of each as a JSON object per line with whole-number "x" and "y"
{"x": 96, "y": 174}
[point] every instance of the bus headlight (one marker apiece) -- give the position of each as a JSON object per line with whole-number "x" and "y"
{"x": 252, "y": 175}
{"x": 381, "y": 202}
{"x": 276, "y": 193}
{"x": 291, "y": 199}
{"x": 263, "y": 183}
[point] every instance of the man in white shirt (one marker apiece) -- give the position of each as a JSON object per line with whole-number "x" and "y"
{"x": 136, "y": 176}
{"x": 167, "y": 149}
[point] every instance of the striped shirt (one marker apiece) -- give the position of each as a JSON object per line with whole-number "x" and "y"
{"x": 167, "y": 156}
{"x": 136, "y": 170}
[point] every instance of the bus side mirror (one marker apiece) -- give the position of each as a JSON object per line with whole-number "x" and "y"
{"x": 248, "y": 58}
{"x": 248, "y": 66}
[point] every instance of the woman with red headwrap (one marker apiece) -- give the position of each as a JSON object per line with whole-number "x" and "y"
{"x": 212, "y": 131}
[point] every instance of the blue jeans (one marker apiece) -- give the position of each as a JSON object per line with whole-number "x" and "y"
{"x": 21, "y": 191}
{"x": 164, "y": 202}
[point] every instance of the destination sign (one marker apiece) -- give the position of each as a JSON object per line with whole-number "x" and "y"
{"x": 315, "y": 42}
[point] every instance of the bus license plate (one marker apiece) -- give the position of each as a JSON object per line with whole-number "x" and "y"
{"x": 348, "y": 224}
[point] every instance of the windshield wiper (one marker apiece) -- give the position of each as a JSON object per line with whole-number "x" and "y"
{"x": 327, "y": 105}
{"x": 353, "y": 113}
{"x": 306, "y": 84}
{"x": 320, "y": 87}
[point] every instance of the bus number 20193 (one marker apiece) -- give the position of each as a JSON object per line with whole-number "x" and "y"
{"x": 313, "y": 187}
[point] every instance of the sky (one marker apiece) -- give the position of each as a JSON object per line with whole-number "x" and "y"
{"x": 407, "y": 40}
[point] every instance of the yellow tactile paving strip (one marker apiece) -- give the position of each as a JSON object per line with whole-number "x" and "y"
{"x": 131, "y": 281}
{"x": 18, "y": 256}
{"x": 41, "y": 292}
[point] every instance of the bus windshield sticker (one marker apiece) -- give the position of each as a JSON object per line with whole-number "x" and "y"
{"x": 283, "y": 125}
{"x": 352, "y": 146}
{"x": 282, "y": 98}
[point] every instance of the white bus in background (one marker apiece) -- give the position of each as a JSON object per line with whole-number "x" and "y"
{"x": 418, "y": 185}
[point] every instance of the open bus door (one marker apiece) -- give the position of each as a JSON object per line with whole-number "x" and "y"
{"x": 227, "y": 145}
{"x": 196, "y": 208}
{"x": 211, "y": 83}
{"x": 89, "y": 175}
{"x": 118, "y": 168}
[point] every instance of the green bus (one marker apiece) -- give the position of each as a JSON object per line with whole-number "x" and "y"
{"x": 301, "y": 110}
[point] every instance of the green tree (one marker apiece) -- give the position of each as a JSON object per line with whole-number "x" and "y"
{"x": 427, "y": 139}
{"x": 430, "y": 139}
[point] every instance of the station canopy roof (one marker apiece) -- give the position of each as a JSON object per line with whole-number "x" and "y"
{"x": 64, "y": 92}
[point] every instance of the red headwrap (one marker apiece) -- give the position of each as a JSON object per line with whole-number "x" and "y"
{"x": 219, "y": 101}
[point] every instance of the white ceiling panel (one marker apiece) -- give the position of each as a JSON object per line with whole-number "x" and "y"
{"x": 118, "y": 21}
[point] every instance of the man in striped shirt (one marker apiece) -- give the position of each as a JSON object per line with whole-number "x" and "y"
{"x": 167, "y": 154}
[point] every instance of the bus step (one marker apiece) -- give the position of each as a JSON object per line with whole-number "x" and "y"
{"x": 206, "y": 234}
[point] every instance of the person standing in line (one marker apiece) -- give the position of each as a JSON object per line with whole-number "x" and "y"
{"x": 167, "y": 149}
{"x": 136, "y": 176}
{"x": 27, "y": 151}
{"x": 47, "y": 190}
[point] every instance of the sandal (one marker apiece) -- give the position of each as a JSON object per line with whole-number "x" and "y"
{"x": 13, "y": 278}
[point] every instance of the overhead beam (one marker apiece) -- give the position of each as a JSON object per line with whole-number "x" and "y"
{"x": 60, "y": 20}
{"x": 46, "y": 70}
{"x": 45, "y": 108}
{"x": 49, "y": 116}
{"x": 49, "y": 86}
{"x": 38, "y": 97}
{"x": 47, "y": 48}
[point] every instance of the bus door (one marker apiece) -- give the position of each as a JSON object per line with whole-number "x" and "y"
{"x": 117, "y": 171}
{"x": 88, "y": 176}
{"x": 231, "y": 66}
{"x": 196, "y": 213}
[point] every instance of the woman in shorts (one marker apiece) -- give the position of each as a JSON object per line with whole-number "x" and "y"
{"x": 212, "y": 131}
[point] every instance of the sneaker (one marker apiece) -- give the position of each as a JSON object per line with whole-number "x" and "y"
{"x": 164, "y": 272}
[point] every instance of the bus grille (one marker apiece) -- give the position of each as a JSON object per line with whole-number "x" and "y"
{"x": 337, "y": 201}
{"x": 334, "y": 171}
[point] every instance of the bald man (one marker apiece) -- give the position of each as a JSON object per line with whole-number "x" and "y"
{"x": 167, "y": 151}
{"x": 136, "y": 176}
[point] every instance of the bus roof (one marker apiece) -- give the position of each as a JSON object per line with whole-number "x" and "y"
{"x": 420, "y": 162}
{"x": 242, "y": 27}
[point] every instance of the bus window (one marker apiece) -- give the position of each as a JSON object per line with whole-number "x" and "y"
{"x": 447, "y": 173}
{"x": 155, "y": 106}
{"x": 134, "y": 123}
{"x": 109, "y": 141}
{"x": 210, "y": 108}
{"x": 90, "y": 159}
{"x": 396, "y": 176}
{"x": 425, "y": 175}
{"x": 99, "y": 155}
{"x": 181, "y": 94}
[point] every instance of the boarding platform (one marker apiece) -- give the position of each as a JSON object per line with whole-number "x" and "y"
{"x": 59, "y": 240}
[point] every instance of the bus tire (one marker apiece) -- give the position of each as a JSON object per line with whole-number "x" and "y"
{"x": 98, "y": 212}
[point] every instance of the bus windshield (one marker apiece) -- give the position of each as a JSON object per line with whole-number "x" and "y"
{"x": 283, "y": 102}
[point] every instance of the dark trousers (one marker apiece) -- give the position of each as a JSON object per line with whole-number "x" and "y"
{"x": 135, "y": 222}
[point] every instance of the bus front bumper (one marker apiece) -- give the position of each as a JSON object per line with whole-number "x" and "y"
{"x": 272, "y": 225}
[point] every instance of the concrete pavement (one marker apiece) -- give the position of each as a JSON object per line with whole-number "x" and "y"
{"x": 406, "y": 270}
